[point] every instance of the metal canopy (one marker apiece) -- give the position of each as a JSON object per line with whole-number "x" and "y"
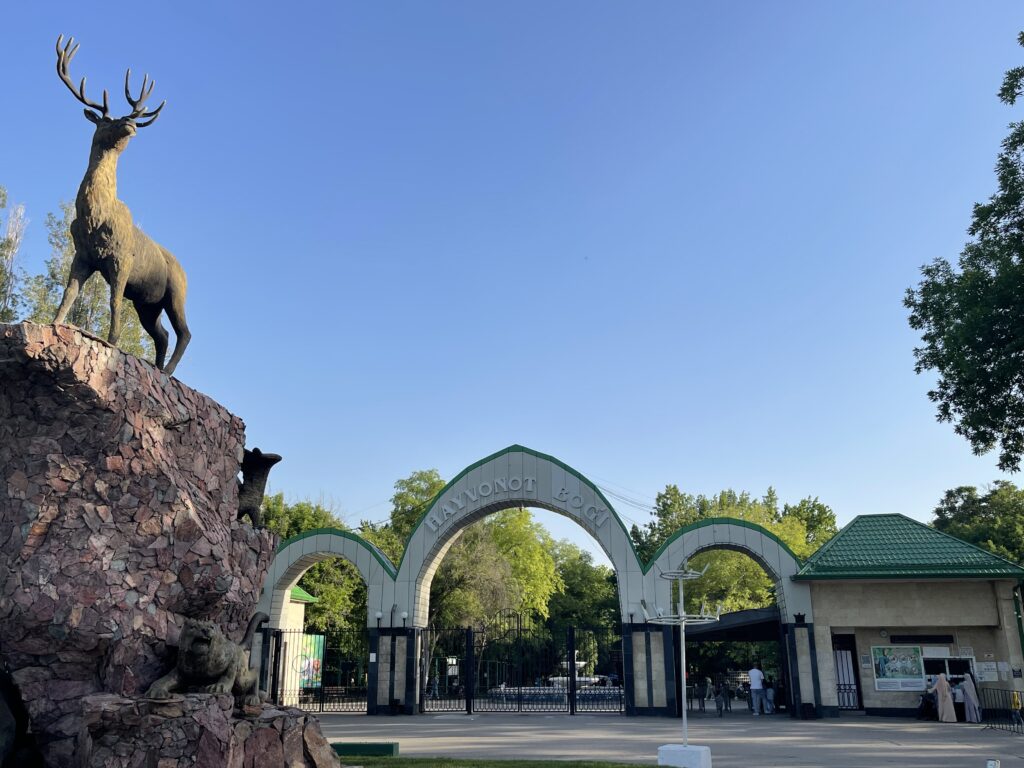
{"x": 755, "y": 624}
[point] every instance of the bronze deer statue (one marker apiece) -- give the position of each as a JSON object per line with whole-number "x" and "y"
{"x": 105, "y": 238}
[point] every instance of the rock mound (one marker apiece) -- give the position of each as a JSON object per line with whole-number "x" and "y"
{"x": 118, "y": 506}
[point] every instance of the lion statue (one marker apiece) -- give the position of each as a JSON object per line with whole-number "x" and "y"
{"x": 208, "y": 662}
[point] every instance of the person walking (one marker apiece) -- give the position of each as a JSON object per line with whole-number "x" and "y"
{"x": 769, "y": 696}
{"x": 757, "y": 700}
{"x": 972, "y": 705}
{"x": 944, "y": 700}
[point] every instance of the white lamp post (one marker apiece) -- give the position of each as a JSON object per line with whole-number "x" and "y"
{"x": 683, "y": 755}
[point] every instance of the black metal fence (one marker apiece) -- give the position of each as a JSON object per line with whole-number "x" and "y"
{"x": 512, "y": 665}
{"x": 507, "y": 665}
{"x": 314, "y": 672}
{"x": 1001, "y": 709}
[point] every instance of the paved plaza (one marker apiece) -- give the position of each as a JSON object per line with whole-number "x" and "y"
{"x": 739, "y": 741}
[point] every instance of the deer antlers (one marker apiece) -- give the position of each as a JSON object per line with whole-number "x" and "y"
{"x": 64, "y": 56}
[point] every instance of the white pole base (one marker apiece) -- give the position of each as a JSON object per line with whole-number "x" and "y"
{"x": 684, "y": 756}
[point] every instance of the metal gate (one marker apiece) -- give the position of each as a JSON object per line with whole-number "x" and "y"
{"x": 846, "y": 680}
{"x": 312, "y": 671}
{"x": 512, "y": 665}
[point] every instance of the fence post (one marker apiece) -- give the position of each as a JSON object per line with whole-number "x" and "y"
{"x": 323, "y": 672}
{"x": 570, "y": 652}
{"x": 275, "y": 679}
{"x": 469, "y": 683}
{"x": 520, "y": 666}
{"x": 264, "y": 658}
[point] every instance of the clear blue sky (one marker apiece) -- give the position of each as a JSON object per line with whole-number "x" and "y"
{"x": 666, "y": 242}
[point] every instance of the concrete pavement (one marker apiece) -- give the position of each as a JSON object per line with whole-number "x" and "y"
{"x": 736, "y": 741}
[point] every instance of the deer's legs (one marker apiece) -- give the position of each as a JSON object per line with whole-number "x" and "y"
{"x": 79, "y": 274}
{"x": 149, "y": 316}
{"x": 176, "y": 314}
{"x": 117, "y": 285}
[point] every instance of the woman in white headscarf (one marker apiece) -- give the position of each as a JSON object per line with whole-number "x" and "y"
{"x": 972, "y": 705}
{"x": 944, "y": 700}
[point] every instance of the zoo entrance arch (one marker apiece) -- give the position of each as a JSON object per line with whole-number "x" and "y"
{"x": 398, "y": 596}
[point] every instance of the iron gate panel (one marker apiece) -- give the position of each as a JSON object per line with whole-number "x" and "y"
{"x": 444, "y": 669}
{"x": 315, "y": 672}
{"x": 512, "y": 665}
{"x": 599, "y": 676}
{"x": 520, "y": 667}
{"x": 846, "y": 679}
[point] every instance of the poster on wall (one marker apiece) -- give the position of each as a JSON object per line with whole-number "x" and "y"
{"x": 310, "y": 661}
{"x": 987, "y": 671}
{"x": 898, "y": 667}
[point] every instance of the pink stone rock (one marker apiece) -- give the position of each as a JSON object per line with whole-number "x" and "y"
{"x": 104, "y": 461}
{"x": 291, "y": 741}
{"x": 318, "y": 751}
{"x": 263, "y": 749}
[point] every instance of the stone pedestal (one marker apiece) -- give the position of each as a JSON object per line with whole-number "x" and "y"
{"x": 197, "y": 731}
{"x": 118, "y": 505}
{"x": 684, "y": 756}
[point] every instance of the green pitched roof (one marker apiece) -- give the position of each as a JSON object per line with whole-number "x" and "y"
{"x": 897, "y": 547}
{"x": 299, "y": 595}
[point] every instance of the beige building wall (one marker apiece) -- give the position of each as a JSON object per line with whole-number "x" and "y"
{"x": 805, "y": 676}
{"x": 293, "y": 616}
{"x": 980, "y": 615}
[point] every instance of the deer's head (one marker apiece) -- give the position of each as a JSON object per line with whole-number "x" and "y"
{"x": 112, "y": 133}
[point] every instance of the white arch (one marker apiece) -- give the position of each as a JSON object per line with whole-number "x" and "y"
{"x": 740, "y": 535}
{"x": 516, "y": 476}
{"x": 297, "y": 554}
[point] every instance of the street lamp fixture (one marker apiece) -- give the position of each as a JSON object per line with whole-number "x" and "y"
{"x": 681, "y": 618}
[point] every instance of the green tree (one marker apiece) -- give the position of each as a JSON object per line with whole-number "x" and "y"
{"x": 526, "y": 546}
{"x": 817, "y": 517}
{"x": 412, "y": 496}
{"x": 473, "y": 583}
{"x": 589, "y": 594}
{"x": 288, "y": 520}
{"x": 10, "y": 242}
{"x": 972, "y": 318}
{"x": 42, "y": 293}
{"x": 673, "y": 509}
{"x": 993, "y": 520}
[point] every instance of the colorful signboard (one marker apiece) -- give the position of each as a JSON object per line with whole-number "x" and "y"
{"x": 898, "y": 668}
{"x": 310, "y": 661}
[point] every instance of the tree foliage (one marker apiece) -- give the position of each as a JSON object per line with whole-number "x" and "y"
{"x": 818, "y": 518}
{"x": 972, "y": 318}
{"x": 42, "y": 293}
{"x": 11, "y": 232}
{"x": 526, "y": 546}
{"x": 993, "y": 520}
{"x": 473, "y": 583}
{"x": 589, "y": 594}
{"x": 410, "y": 500}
